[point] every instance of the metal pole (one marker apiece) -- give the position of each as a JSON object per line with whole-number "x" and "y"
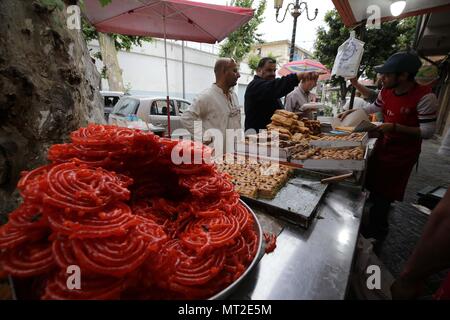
{"x": 167, "y": 76}
{"x": 182, "y": 69}
{"x": 294, "y": 31}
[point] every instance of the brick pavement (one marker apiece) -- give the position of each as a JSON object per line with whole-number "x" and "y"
{"x": 406, "y": 222}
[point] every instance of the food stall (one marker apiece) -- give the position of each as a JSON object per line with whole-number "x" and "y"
{"x": 316, "y": 222}
{"x": 100, "y": 203}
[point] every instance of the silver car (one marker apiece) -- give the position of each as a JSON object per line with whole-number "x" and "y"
{"x": 110, "y": 100}
{"x": 152, "y": 110}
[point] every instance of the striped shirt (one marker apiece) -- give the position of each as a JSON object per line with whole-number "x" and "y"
{"x": 426, "y": 112}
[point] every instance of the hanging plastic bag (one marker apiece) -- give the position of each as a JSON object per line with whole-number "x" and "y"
{"x": 348, "y": 58}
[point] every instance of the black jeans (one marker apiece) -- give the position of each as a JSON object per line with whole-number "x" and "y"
{"x": 378, "y": 220}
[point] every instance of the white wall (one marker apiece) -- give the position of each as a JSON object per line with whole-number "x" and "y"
{"x": 143, "y": 69}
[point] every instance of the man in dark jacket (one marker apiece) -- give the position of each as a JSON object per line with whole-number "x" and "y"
{"x": 263, "y": 94}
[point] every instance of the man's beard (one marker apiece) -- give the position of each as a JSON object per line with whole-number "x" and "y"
{"x": 392, "y": 86}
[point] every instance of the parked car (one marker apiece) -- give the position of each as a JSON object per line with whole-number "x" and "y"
{"x": 152, "y": 110}
{"x": 110, "y": 99}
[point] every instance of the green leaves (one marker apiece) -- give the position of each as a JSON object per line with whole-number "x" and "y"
{"x": 52, "y": 4}
{"x": 253, "y": 60}
{"x": 121, "y": 42}
{"x": 239, "y": 43}
{"x": 105, "y": 2}
{"x": 379, "y": 43}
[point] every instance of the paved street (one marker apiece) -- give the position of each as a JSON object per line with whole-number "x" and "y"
{"x": 406, "y": 222}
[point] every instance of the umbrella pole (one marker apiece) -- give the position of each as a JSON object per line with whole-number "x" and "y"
{"x": 167, "y": 77}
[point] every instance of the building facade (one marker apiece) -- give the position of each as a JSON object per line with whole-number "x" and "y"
{"x": 143, "y": 69}
{"x": 280, "y": 50}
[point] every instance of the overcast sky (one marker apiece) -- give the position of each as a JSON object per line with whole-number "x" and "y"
{"x": 306, "y": 30}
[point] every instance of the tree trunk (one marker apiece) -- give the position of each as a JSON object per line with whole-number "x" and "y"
{"x": 109, "y": 57}
{"x": 48, "y": 88}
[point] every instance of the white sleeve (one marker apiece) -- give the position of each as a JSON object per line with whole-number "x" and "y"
{"x": 427, "y": 112}
{"x": 194, "y": 113}
{"x": 290, "y": 104}
{"x": 375, "y": 107}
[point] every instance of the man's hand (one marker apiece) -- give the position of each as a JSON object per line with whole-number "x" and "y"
{"x": 385, "y": 127}
{"x": 307, "y": 76}
{"x": 341, "y": 116}
{"x": 354, "y": 81}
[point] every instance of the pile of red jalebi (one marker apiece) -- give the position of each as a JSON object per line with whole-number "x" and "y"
{"x": 138, "y": 224}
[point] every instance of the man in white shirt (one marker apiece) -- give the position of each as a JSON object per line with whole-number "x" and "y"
{"x": 301, "y": 95}
{"x": 216, "y": 107}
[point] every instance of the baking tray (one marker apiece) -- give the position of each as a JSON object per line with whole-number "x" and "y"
{"x": 264, "y": 151}
{"x": 258, "y": 256}
{"x": 333, "y": 165}
{"x": 340, "y": 143}
{"x": 294, "y": 203}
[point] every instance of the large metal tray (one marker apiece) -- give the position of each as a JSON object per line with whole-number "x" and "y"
{"x": 259, "y": 254}
{"x": 340, "y": 143}
{"x": 333, "y": 165}
{"x": 228, "y": 290}
{"x": 294, "y": 203}
{"x": 264, "y": 151}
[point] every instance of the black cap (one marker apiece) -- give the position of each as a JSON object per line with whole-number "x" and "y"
{"x": 400, "y": 62}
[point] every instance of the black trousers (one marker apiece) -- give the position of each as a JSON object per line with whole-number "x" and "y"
{"x": 378, "y": 217}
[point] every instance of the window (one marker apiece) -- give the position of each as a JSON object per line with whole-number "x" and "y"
{"x": 111, "y": 101}
{"x": 182, "y": 106}
{"x": 126, "y": 107}
{"x": 159, "y": 108}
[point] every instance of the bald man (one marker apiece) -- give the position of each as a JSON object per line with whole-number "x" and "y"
{"x": 216, "y": 107}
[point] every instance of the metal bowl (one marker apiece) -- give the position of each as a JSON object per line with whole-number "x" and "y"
{"x": 258, "y": 256}
{"x": 228, "y": 290}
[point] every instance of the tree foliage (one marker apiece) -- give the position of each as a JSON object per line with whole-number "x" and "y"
{"x": 121, "y": 42}
{"x": 380, "y": 43}
{"x": 239, "y": 43}
{"x": 253, "y": 60}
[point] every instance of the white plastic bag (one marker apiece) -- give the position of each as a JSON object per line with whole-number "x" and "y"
{"x": 364, "y": 258}
{"x": 348, "y": 58}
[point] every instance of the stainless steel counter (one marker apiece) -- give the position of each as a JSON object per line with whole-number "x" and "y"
{"x": 313, "y": 263}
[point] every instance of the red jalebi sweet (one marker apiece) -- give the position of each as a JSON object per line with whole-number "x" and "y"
{"x": 31, "y": 260}
{"x": 271, "y": 242}
{"x": 92, "y": 288}
{"x": 160, "y": 229}
{"x": 114, "y": 220}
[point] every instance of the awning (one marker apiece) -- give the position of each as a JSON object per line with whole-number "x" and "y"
{"x": 354, "y": 12}
{"x": 434, "y": 37}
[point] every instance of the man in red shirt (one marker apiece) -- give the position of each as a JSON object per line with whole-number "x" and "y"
{"x": 409, "y": 112}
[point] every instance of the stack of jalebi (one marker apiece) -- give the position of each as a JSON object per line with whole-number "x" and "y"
{"x": 138, "y": 224}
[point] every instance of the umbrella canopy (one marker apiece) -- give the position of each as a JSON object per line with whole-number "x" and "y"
{"x": 171, "y": 19}
{"x": 168, "y": 19}
{"x": 305, "y": 65}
